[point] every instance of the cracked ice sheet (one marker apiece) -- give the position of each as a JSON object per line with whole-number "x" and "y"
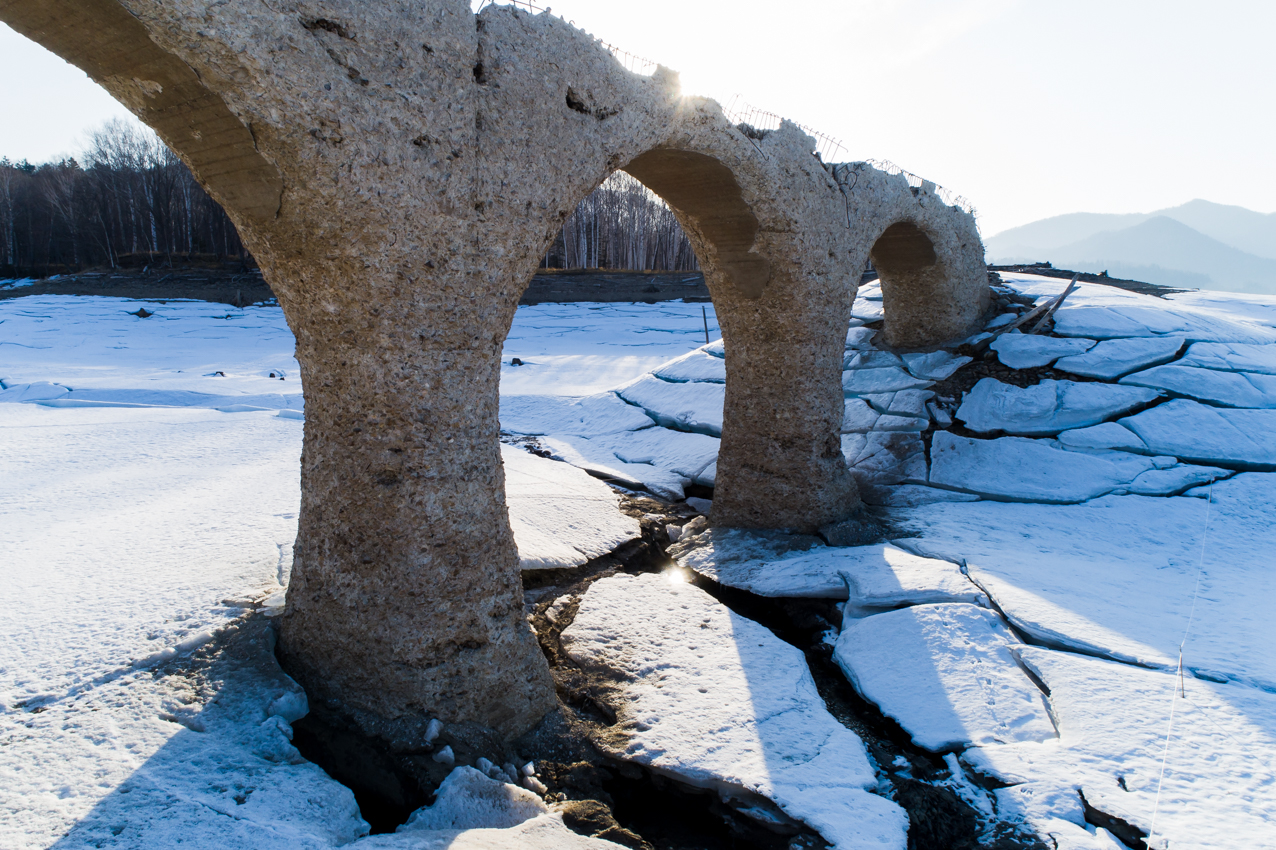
{"x": 947, "y": 673}
{"x": 655, "y": 459}
{"x": 1115, "y": 576}
{"x": 1220, "y": 785}
{"x": 561, "y": 517}
{"x": 126, "y": 528}
{"x": 582, "y": 348}
{"x": 718, "y": 701}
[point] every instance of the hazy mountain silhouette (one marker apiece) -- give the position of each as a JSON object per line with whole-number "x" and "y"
{"x": 1198, "y": 244}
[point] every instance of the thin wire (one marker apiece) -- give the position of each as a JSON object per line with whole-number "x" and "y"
{"x": 1179, "y": 684}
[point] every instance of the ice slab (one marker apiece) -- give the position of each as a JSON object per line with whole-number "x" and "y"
{"x": 682, "y": 406}
{"x": 1112, "y": 721}
{"x": 908, "y": 495}
{"x": 604, "y": 413}
{"x": 596, "y": 457}
{"x": 1028, "y": 351}
{"x": 1155, "y": 320}
{"x": 561, "y": 516}
{"x": 546, "y": 832}
{"x": 1259, "y": 309}
{"x": 858, "y": 416}
{"x": 1112, "y": 358}
{"x": 1231, "y": 357}
{"x": 879, "y": 576}
{"x": 656, "y": 459}
{"x": 901, "y": 403}
{"x": 935, "y": 365}
{"x": 1116, "y": 576}
{"x": 946, "y": 673}
{"x": 871, "y": 359}
{"x": 1023, "y": 470}
{"x": 1046, "y": 408}
{"x": 38, "y": 391}
{"x": 860, "y": 338}
{"x": 718, "y": 701}
{"x": 884, "y": 380}
{"x": 885, "y": 457}
{"x": 1110, "y": 436}
{"x": 467, "y": 799}
{"x": 695, "y": 365}
{"x": 1230, "y": 389}
{"x": 1238, "y": 439}
{"x": 1176, "y": 479}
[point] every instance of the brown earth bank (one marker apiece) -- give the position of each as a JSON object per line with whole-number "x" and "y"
{"x": 238, "y": 285}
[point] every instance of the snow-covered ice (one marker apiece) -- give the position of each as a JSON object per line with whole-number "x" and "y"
{"x": 880, "y": 380}
{"x": 1116, "y": 576}
{"x": 603, "y": 413}
{"x": 718, "y": 701}
{"x": 696, "y": 365}
{"x": 561, "y": 517}
{"x": 935, "y": 365}
{"x": 947, "y": 674}
{"x": 1046, "y": 408}
{"x": 1218, "y": 788}
{"x": 1028, "y": 351}
{"x": 467, "y": 799}
{"x": 695, "y": 406}
{"x": 1041, "y": 472}
{"x": 1112, "y": 358}
{"x": 1108, "y": 435}
{"x": 886, "y": 457}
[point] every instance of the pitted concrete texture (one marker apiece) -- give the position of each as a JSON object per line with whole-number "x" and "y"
{"x": 398, "y": 169}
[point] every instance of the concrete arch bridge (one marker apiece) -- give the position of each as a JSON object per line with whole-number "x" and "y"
{"x": 398, "y": 169}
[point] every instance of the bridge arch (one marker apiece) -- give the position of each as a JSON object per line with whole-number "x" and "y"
{"x": 399, "y": 193}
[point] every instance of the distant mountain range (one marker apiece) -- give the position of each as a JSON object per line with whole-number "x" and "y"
{"x": 1198, "y": 245}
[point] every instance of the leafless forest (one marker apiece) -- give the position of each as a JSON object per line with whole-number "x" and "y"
{"x": 128, "y": 201}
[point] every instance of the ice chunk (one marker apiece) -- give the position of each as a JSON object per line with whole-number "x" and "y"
{"x": 678, "y": 451}
{"x": 1028, "y": 351}
{"x": 683, "y": 406}
{"x": 604, "y": 413}
{"x": 469, "y": 800}
{"x": 1175, "y": 479}
{"x": 885, "y": 457}
{"x": 870, "y": 576}
{"x": 717, "y": 348}
{"x": 695, "y": 366}
{"x": 946, "y": 673}
{"x": 37, "y": 391}
{"x": 860, "y": 337}
{"x": 1240, "y": 439}
{"x": 902, "y": 403}
{"x": 857, "y": 416}
{"x": 908, "y": 495}
{"x": 596, "y": 457}
{"x": 891, "y": 422}
{"x": 871, "y": 360}
{"x": 1230, "y": 389}
{"x": 885, "y": 380}
{"x": 1113, "y": 358}
{"x": 1231, "y": 357}
{"x": 935, "y": 365}
{"x": 718, "y": 701}
{"x": 1024, "y": 470}
{"x": 561, "y": 516}
{"x": 1109, "y": 436}
{"x": 1048, "y": 407}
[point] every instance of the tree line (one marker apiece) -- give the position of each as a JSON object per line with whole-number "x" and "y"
{"x": 128, "y": 201}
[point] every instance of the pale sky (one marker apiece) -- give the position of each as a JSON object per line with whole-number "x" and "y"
{"x": 1028, "y": 108}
